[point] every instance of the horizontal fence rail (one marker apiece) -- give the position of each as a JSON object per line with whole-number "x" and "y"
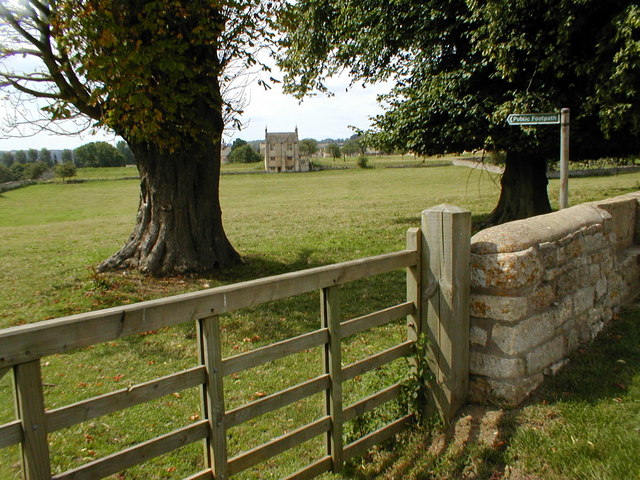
{"x": 29, "y": 342}
{"x": 21, "y": 349}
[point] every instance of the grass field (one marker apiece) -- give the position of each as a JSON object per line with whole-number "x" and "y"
{"x": 52, "y": 234}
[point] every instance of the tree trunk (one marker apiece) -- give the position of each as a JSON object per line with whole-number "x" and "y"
{"x": 524, "y": 189}
{"x": 179, "y": 221}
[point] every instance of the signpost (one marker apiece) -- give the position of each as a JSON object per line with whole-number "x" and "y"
{"x": 562, "y": 119}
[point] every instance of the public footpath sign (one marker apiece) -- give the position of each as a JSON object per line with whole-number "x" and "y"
{"x": 533, "y": 119}
{"x": 560, "y": 118}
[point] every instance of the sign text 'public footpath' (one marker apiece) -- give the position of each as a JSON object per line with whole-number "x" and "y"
{"x": 533, "y": 119}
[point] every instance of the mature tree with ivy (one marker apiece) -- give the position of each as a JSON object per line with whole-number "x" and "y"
{"x": 153, "y": 73}
{"x": 461, "y": 66}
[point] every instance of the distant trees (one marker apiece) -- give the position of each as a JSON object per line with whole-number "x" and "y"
{"x": 308, "y": 146}
{"x": 67, "y": 156}
{"x": 33, "y": 171}
{"x": 22, "y": 171}
{"x": 127, "y": 153}
{"x": 98, "y": 154}
{"x": 237, "y": 143}
{"x": 44, "y": 156}
{"x": 334, "y": 150}
{"x": 6, "y": 175}
{"x": 32, "y": 155}
{"x": 66, "y": 170}
{"x": 244, "y": 154}
{"x": 7, "y": 159}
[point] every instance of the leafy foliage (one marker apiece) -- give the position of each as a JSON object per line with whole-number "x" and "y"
{"x": 460, "y": 67}
{"x": 147, "y": 70}
{"x": 66, "y": 170}
{"x": 308, "y": 146}
{"x": 6, "y": 175}
{"x": 98, "y": 154}
{"x": 334, "y": 150}
{"x": 244, "y": 154}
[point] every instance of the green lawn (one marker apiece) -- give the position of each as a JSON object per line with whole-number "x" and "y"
{"x": 52, "y": 234}
{"x": 583, "y": 424}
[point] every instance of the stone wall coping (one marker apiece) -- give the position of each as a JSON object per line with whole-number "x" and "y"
{"x": 523, "y": 234}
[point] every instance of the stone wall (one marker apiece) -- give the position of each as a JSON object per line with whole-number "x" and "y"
{"x": 541, "y": 287}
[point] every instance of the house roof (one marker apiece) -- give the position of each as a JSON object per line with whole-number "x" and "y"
{"x": 289, "y": 137}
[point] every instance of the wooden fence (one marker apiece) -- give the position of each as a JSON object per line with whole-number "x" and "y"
{"x": 435, "y": 305}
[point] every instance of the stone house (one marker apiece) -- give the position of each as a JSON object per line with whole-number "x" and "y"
{"x": 281, "y": 152}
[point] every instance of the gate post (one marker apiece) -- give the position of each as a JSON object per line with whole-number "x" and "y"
{"x": 446, "y": 252}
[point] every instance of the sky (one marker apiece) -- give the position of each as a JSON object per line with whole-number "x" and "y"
{"x": 316, "y": 117}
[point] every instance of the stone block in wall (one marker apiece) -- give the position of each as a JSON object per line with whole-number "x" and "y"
{"x": 564, "y": 310}
{"x": 505, "y": 392}
{"x": 509, "y": 309}
{"x": 583, "y": 300}
{"x": 478, "y": 336}
{"x": 548, "y": 252}
{"x": 543, "y": 296}
{"x": 517, "y": 339}
{"x": 506, "y": 270}
{"x": 494, "y": 366}
{"x": 623, "y": 212}
{"x": 594, "y": 242}
{"x": 545, "y": 355}
{"x": 574, "y": 246}
{"x": 601, "y": 287}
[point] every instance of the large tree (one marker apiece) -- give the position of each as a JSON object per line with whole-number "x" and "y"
{"x": 154, "y": 73}
{"x": 461, "y": 66}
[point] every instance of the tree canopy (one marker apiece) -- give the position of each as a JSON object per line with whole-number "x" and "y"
{"x": 98, "y": 154}
{"x": 460, "y": 67}
{"x": 308, "y": 146}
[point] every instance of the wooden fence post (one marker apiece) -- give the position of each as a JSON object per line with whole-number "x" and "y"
{"x": 446, "y": 254}
{"x": 30, "y": 410}
{"x": 330, "y": 314}
{"x": 414, "y": 287}
{"x": 213, "y": 396}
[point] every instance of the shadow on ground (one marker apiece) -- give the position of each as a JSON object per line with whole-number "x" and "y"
{"x": 486, "y": 443}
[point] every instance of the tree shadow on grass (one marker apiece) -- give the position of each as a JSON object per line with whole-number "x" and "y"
{"x": 481, "y": 442}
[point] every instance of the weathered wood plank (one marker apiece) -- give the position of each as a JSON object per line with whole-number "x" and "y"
{"x": 27, "y": 342}
{"x": 272, "y": 352}
{"x": 213, "y": 396}
{"x": 30, "y": 410}
{"x": 312, "y": 470}
{"x": 365, "y": 443}
{"x": 372, "y": 401}
{"x": 10, "y": 433}
{"x": 277, "y": 400}
{"x": 447, "y": 232}
{"x": 375, "y": 319}
{"x": 204, "y": 475}
{"x": 278, "y": 445}
{"x": 332, "y": 359}
{"x": 375, "y": 361}
{"x": 137, "y": 454}
{"x": 84, "y": 410}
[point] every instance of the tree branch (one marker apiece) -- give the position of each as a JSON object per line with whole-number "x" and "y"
{"x": 29, "y": 91}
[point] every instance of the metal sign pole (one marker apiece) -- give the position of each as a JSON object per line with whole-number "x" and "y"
{"x": 564, "y": 158}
